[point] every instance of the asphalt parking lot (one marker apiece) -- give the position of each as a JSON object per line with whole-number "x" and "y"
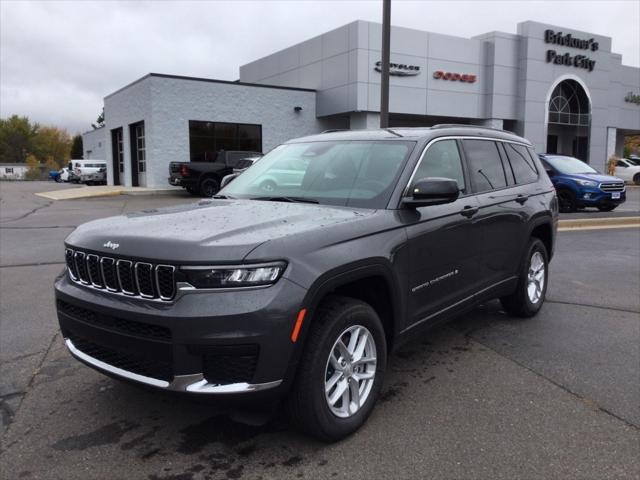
{"x": 485, "y": 397}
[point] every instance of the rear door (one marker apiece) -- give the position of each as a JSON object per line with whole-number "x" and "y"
{"x": 502, "y": 214}
{"x": 444, "y": 240}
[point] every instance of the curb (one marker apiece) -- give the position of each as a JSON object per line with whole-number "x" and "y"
{"x": 598, "y": 223}
{"x": 95, "y": 192}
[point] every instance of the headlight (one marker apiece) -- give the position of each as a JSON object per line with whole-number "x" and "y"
{"x": 232, "y": 277}
{"x": 587, "y": 183}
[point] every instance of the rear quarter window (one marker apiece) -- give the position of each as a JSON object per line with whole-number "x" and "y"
{"x": 522, "y": 165}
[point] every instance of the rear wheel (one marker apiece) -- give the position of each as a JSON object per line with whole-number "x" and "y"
{"x": 607, "y": 208}
{"x": 209, "y": 187}
{"x": 530, "y": 293}
{"x": 636, "y": 179}
{"x": 567, "y": 201}
{"x": 342, "y": 369}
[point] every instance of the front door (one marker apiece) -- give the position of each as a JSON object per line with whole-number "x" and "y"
{"x": 444, "y": 241}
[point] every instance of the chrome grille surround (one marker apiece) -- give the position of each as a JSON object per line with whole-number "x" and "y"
{"x": 612, "y": 187}
{"x": 122, "y": 276}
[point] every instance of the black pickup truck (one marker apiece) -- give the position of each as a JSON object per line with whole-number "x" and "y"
{"x": 203, "y": 178}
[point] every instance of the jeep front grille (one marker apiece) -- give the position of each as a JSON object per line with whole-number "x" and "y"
{"x": 128, "y": 277}
{"x": 612, "y": 186}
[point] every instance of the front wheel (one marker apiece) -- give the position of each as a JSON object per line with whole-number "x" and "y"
{"x": 636, "y": 179}
{"x": 530, "y": 293}
{"x": 342, "y": 369}
{"x": 566, "y": 201}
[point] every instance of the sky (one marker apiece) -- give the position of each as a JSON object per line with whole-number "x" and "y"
{"x": 59, "y": 59}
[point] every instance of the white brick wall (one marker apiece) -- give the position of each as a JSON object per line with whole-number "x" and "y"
{"x": 166, "y": 104}
{"x": 94, "y": 144}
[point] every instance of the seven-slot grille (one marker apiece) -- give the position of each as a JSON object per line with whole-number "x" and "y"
{"x": 612, "y": 186}
{"x": 141, "y": 279}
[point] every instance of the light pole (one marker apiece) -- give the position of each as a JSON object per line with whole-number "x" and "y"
{"x": 384, "y": 84}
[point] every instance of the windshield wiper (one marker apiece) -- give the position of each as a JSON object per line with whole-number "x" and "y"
{"x": 222, "y": 197}
{"x": 287, "y": 199}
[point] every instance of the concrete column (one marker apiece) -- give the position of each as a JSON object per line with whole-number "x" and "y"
{"x": 364, "y": 120}
{"x": 491, "y": 123}
{"x": 611, "y": 142}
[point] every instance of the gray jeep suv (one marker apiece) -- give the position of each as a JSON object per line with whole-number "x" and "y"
{"x": 300, "y": 292}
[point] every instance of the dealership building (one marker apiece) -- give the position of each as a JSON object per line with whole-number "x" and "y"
{"x": 562, "y": 89}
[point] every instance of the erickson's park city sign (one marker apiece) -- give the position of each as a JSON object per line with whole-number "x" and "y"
{"x": 568, "y": 40}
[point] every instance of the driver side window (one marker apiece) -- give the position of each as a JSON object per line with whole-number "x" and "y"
{"x": 442, "y": 159}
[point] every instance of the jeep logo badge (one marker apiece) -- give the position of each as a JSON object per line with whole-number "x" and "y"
{"x": 111, "y": 245}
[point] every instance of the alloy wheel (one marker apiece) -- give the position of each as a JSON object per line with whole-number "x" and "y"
{"x": 350, "y": 371}
{"x": 536, "y": 278}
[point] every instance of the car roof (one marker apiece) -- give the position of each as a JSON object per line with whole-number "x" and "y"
{"x": 412, "y": 133}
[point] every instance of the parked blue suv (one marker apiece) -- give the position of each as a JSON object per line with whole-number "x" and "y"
{"x": 578, "y": 185}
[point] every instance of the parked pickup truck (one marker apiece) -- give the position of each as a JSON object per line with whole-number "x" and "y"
{"x": 203, "y": 178}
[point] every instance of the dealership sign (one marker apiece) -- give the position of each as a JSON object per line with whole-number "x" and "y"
{"x": 568, "y": 40}
{"x": 399, "y": 69}
{"x": 454, "y": 77}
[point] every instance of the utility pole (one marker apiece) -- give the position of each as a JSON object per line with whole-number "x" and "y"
{"x": 384, "y": 84}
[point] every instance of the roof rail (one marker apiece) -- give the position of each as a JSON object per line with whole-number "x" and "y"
{"x": 466, "y": 125}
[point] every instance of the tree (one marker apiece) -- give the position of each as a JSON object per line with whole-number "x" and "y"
{"x": 33, "y": 173}
{"x": 16, "y": 138}
{"x": 99, "y": 121}
{"x": 52, "y": 142}
{"x": 77, "y": 148}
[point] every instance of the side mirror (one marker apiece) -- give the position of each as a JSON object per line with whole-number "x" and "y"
{"x": 550, "y": 172}
{"x": 432, "y": 191}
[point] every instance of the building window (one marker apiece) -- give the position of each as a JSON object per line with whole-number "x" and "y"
{"x": 140, "y": 147}
{"x": 569, "y": 104}
{"x": 206, "y": 139}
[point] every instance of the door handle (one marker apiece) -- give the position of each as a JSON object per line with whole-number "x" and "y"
{"x": 469, "y": 211}
{"x": 521, "y": 199}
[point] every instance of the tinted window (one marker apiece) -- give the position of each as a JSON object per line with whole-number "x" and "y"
{"x": 521, "y": 163}
{"x": 485, "y": 166}
{"x": 206, "y": 139}
{"x": 442, "y": 159}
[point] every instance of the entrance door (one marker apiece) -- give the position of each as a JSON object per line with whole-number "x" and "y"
{"x": 580, "y": 147}
{"x": 552, "y": 144}
{"x": 117, "y": 155}
{"x": 138, "y": 152}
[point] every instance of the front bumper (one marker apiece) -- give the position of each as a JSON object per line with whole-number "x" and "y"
{"x": 218, "y": 343}
{"x": 594, "y": 197}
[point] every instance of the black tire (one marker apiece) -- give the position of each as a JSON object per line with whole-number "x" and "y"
{"x": 307, "y": 405}
{"x": 607, "y": 208}
{"x": 566, "y": 201}
{"x": 636, "y": 179}
{"x": 519, "y": 303}
{"x": 209, "y": 187}
{"x": 58, "y": 179}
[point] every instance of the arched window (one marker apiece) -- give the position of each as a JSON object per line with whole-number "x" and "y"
{"x": 569, "y": 104}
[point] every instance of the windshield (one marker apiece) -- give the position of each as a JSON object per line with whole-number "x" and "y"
{"x": 633, "y": 161}
{"x": 349, "y": 173}
{"x": 569, "y": 165}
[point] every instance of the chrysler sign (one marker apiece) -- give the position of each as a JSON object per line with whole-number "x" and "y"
{"x": 399, "y": 69}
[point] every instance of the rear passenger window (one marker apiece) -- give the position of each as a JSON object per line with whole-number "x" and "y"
{"x": 442, "y": 160}
{"x": 485, "y": 166}
{"x": 521, "y": 163}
